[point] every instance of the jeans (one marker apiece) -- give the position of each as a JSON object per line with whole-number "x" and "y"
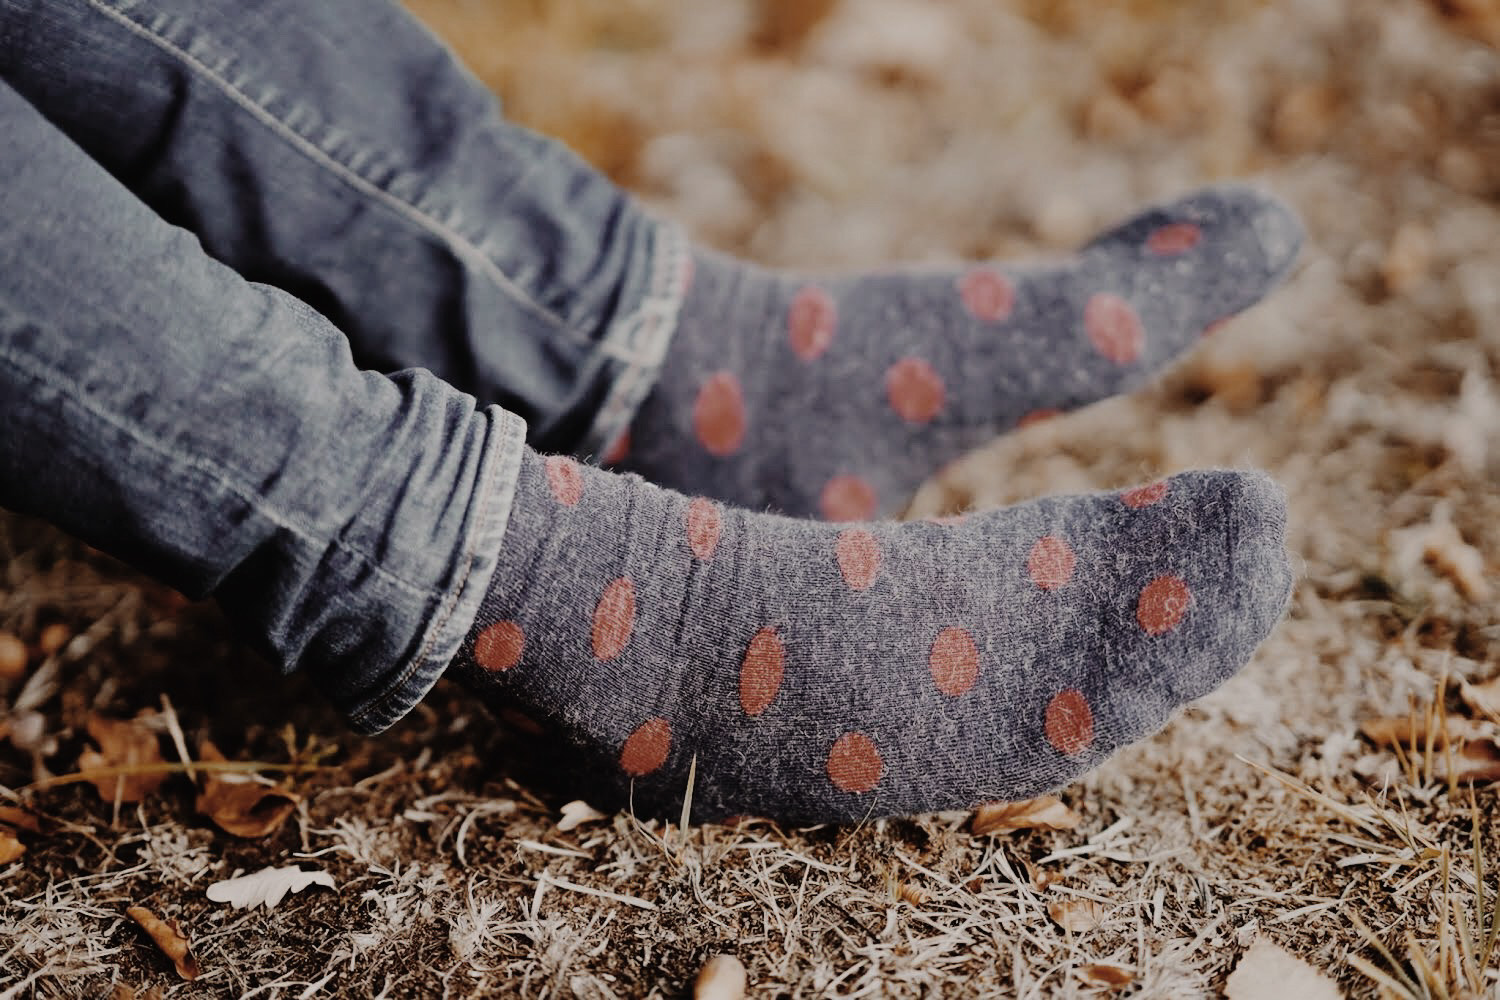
{"x": 222, "y": 220}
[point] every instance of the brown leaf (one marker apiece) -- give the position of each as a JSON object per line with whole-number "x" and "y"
{"x": 123, "y": 992}
{"x": 1482, "y": 698}
{"x": 242, "y": 808}
{"x": 12, "y": 657}
{"x": 1111, "y": 976}
{"x": 1411, "y": 732}
{"x": 1476, "y": 760}
{"x": 169, "y": 938}
{"x": 1077, "y": 914}
{"x": 124, "y": 744}
{"x": 21, "y": 819}
{"x": 10, "y": 847}
{"x": 1045, "y": 813}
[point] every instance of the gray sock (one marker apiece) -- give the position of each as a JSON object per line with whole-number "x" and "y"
{"x": 827, "y": 672}
{"x": 836, "y": 397}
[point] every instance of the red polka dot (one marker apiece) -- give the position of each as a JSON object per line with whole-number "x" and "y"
{"x": 1037, "y": 417}
{"x": 1051, "y": 562}
{"x": 615, "y": 453}
{"x": 1070, "y": 722}
{"x": 1145, "y": 496}
{"x": 1179, "y": 237}
{"x": 1163, "y": 603}
{"x": 614, "y": 619}
{"x": 719, "y": 415}
{"x": 953, "y": 661}
{"x": 761, "y": 671}
{"x": 854, "y": 765}
{"x": 704, "y": 523}
{"x": 847, "y": 498}
{"x": 987, "y": 294}
{"x": 859, "y": 558}
{"x": 811, "y": 321}
{"x": 565, "y": 479}
{"x": 647, "y": 748}
{"x": 916, "y": 391}
{"x": 1114, "y": 328}
{"x": 499, "y": 646}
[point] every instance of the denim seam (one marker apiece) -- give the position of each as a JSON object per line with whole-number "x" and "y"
{"x": 462, "y": 246}
{"x": 641, "y": 339}
{"x": 491, "y": 522}
{"x": 220, "y": 477}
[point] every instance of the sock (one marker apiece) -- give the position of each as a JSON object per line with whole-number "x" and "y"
{"x": 835, "y": 397}
{"x": 829, "y": 672}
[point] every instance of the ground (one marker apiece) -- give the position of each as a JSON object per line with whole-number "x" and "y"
{"x": 841, "y": 133}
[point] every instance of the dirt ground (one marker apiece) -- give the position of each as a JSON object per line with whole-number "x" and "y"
{"x": 841, "y": 133}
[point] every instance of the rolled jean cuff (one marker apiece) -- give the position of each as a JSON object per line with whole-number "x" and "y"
{"x": 634, "y": 346}
{"x": 455, "y": 607}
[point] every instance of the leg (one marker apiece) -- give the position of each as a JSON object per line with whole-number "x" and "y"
{"x": 216, "y": 434}
{"x": 337, "y": 151}
{"x": 369, "y": 529}
{"x": 438, "y": 235}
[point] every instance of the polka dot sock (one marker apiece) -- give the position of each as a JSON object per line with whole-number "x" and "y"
{"x": 836, "y": 397}
{"x": 829, "y": 672}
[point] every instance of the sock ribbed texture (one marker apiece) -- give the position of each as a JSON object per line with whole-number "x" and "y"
{"x": 828, "y": 672}
{"x": 835, "y": 397}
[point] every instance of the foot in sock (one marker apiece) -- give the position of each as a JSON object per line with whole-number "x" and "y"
{"x": 825, "y": 673}
{"x": 836, "y": 397}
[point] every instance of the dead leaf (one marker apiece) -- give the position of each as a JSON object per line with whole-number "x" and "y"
{"x": 1110, "y": 976}
{"x": 721, "y": 978}
{"x": 169, "y": 938}
{"x": 12, "y": 657}
{"x": 1269, "y": 972}
{"x": 124, "y": 745}
{"x": 1482, "y": 698}
{"x": 1045, "y": 813}
{"x": 21, "y": 819}
{"x": 10, "y": 847}
{"x": 1077, "y": 914}
{"x": 268, "y": 886}
{"x": 577, "y": 813}
{"x": 123, "y": 992}
{"x": 1476, "y": 760}
{"x": 240, "y": 805}
{"x": 1411, "y": 732}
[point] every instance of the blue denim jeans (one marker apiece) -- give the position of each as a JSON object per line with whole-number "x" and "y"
{"x": 223, "y": 220}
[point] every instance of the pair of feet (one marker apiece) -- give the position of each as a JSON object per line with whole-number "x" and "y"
{"x": 829, "y": 671}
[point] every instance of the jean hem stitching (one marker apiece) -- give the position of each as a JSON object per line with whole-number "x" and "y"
{"x": 460, "y": 604}
{"x": 640, "y": 340}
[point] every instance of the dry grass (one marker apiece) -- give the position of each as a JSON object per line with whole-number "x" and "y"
{"x": 848, "y": 134}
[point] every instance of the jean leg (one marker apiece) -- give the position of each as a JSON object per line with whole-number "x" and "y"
{"x": 337, "y": 150}
{"x": 217, "y": 434}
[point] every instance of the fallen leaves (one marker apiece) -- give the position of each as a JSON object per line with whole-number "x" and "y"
{"x": 1109, "y": 976}
{"x": 1045, "y": 813}
{"x": 577, "y": 813}
{"x": 125, "y": 768}
{"x": 240, "y": 804}
{"x": 1269, "y": 972}
{"x": 268, "y": 886}
{"x": 1440, "y": 745}
{"x": 721, "y": 978}
{"x": 11, "y": 847}
{"x": 12, "y": 657}
{"x": 1077, "y": 915}
{"x": 169, "y": 938}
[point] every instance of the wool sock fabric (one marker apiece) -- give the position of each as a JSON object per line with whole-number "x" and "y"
{"x": 835, "y": 397}
{"x": 821, "y": 672}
